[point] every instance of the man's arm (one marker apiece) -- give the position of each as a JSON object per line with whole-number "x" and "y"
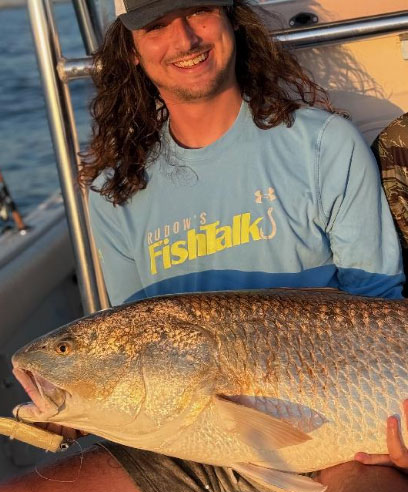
{"x": 363, "y": 239}
{"x": 359, "y": 225}
{"x": 117, "y": 259}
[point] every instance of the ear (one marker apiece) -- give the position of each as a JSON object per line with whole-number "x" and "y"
{"x": 134, "y": 52}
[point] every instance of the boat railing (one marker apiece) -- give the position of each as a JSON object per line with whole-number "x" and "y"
{"x": 345, "y": 30}
{"x": 89, "y": 23}
{"x": 56, "y": 72}
{"x": 65, "y": 140}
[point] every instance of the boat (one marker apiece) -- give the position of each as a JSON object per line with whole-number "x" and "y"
{"x": 50, "y": 275}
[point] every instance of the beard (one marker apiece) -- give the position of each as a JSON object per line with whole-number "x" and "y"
{"x": 198, "y": 91}
{"x": 190, "y": 94}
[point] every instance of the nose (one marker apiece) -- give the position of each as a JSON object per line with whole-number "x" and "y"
{"x": 185, "y": 37}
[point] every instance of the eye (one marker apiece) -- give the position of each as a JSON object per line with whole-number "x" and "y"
{"x": 63, "y": 347}
{"x": 154, "y": 27}
{"x": 203, "y": 10}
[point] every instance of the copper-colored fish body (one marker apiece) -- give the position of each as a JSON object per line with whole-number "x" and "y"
{"x": 292, "y": 380}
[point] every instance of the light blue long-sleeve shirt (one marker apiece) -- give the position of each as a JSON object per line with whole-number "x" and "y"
{"x": 284, "y": 207}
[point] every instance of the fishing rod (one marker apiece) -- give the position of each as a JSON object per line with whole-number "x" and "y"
{"x": 8, "y": 207}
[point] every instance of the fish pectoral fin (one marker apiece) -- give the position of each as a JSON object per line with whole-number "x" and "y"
{"x": 256, "y": 428}
{"x": 278, "y": 480}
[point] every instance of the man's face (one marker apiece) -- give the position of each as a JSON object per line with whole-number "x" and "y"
{"x": 188, "y": 54}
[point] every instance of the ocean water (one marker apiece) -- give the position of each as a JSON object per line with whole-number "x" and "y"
{"x": 27, "y": 159}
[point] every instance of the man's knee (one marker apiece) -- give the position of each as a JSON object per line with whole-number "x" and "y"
{"x": 356, "y": 477}
{"x": 93, "y": 471}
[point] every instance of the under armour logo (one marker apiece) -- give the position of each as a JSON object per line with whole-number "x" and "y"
{"x": 270, "y": 195}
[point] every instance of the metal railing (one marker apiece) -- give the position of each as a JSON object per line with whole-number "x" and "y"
{"x": 65, "y": 140}
{"x": 56, "y": 72}
{"x": 350, "y": 30}
{"x": 89, "y": 24}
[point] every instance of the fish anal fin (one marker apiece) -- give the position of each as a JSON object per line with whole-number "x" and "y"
{"x": 256, "y": 428}
{"x": 277, "y": 480}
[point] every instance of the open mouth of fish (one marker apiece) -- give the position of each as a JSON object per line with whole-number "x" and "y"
{"x": 47, "y": 399}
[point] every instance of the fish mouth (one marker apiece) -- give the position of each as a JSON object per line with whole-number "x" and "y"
{"x": 47, "y": 399}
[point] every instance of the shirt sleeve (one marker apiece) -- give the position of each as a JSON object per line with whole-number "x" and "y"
{"x": 117, "y": 262}
{"x": 359, "y": 225}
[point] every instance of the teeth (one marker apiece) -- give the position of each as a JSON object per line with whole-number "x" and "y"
{"x": 194, "y": 61}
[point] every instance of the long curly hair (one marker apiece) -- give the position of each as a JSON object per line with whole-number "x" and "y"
{"x": 128, "y": 111}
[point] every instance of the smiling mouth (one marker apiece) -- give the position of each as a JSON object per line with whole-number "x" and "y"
{"x": 192, "y": 62}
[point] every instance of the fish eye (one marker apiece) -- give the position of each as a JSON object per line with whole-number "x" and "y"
{"x": 63, "y": 347}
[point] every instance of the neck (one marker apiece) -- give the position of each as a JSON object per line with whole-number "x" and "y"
{"x": 200, "y": 123}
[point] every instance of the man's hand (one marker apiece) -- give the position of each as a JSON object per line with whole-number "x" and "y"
{"x": 398, "y": 453}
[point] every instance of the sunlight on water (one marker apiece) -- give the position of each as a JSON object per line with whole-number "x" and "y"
{"x": 27, "y": 158}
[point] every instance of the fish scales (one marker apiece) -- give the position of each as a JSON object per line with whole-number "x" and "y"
{"x": 330, "y": 364}
{"x": 320, "y": 356}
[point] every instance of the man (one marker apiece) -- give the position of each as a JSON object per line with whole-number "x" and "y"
{"x": 390, "y": 149}
{"x": 234, "y": 197}
{"x": 207, "y": 175}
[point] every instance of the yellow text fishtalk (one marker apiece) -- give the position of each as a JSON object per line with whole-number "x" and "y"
{"x": 209, "y": 239}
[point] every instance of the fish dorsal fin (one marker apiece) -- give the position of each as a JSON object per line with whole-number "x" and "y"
{"x": 256, "y": 428}
{"x": 277, "y": 480}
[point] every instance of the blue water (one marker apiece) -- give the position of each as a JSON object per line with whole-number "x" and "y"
{"x": 26, "y": 153}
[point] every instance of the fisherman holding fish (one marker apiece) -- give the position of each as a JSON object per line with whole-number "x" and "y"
{"x": 217, "y": 164}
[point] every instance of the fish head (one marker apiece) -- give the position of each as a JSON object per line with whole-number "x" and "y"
{"x": 123, "y": 367}
{"x": 76, "y": 374}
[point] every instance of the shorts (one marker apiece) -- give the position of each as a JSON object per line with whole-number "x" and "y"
{"x": 153, "y": 472}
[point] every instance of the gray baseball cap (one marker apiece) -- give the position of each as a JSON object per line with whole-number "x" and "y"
{"x": 136, "y": 14}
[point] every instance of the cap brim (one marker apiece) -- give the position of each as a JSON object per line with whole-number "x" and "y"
{"x": 140, "y": 17}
